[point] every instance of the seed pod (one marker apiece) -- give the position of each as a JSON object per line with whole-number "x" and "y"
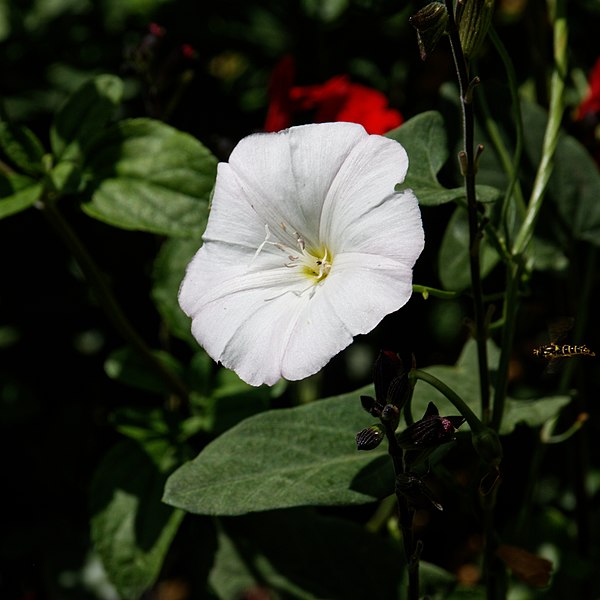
{"x": 473, "y": 18}
{"x": 430, "y": 23}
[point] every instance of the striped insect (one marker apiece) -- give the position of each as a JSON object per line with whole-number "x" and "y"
{"x": 554, "y": 351}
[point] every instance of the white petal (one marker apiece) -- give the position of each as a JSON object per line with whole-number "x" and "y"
{"x": 245, "y": 323}
{"x": 364, "y": 184}
{"x": 286, "y": 176}
{"x": 360, "y": 290}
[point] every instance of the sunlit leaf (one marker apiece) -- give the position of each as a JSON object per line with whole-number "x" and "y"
{"x": 283, "y": 458}
{"x": 146, "y": 175}
{"x": 424, "y": 138}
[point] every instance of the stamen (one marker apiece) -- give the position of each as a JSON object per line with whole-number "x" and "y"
{"x": 259, "y": 249}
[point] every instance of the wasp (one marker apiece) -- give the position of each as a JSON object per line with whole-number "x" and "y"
{"x": 554, "y": 350}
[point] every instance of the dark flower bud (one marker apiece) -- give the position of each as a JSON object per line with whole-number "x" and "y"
{"x": 473, "y": 18}
{"x": 371, "y": 405}
{"x": 391, "y": 380}
{"x": 487, "y": 444}
{"x": 416, "y": 492}
{"x": 370, "y": 437}
{"x": 430, "y": 23}
{"x": 431, "y": 431}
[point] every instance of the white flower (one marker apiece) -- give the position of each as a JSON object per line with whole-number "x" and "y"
{"x": 307, "y": 245}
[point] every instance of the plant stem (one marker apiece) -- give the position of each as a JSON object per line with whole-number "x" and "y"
{"x": 106, "y": 298}
{"x": 427, "y": 291}
{"x": 468, "y": 168}
{"x": 405, "y": 516}
{"x": 555, "y": 113}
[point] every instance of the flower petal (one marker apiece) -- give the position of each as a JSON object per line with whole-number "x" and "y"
{"x": 364, "y": 186}
{"x": 360, "y": 290}
{"x": 286, "y": 176}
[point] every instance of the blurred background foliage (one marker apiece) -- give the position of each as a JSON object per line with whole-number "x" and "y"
{"x": 205, "y": 67}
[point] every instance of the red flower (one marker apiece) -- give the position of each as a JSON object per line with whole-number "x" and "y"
{"x": 591, "y": 103}
{"x": 338, "y": 99}
{"x": 587, "y": 116}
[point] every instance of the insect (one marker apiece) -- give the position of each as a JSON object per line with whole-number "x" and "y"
{"x": 554, "y": 350}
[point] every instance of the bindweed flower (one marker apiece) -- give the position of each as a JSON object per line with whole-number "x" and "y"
{"x": 307, "y": 245}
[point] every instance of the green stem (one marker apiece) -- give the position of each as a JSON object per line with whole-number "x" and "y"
{"x": 427, "y": 291}
{"x": 106, "y": 298}
{"x": 556, "y": 109}
{"x": 468, "y": 168}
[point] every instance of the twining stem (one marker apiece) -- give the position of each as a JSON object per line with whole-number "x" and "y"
{"x": 469, "y": 169}
{"x": 106, "y": 298}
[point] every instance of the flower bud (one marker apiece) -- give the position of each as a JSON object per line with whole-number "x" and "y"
{"x": 390, "y": 377}
{"x": 429, "y": 432}
{"x": 473, "y": 18}
{"x": 371, "y": 406}
{"x": 430, "y": 23}
{"x": 370, "y": 437}
{"x": 487, "y": 445}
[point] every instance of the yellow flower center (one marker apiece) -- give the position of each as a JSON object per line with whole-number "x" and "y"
{"x": 316, "y": 263}
{"x": 313, "y": 263}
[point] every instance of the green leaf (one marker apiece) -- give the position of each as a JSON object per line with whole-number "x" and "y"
{"x": 130, "y": 527}
{"x": 169, "y": 269}
{"x": 148, "y": 176}
{"x": 463, "y": 378}
{"x": 282, "y": 458}
{"x": 21, "y": 147}
{"x": 84, "y": 114}
{"x": 424, "y": 138}
{"x": 453, "y": 258}
{"x": 128, "y": 367}
{"x": 17, "y": 193}
{"x": 256, "y": 549}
